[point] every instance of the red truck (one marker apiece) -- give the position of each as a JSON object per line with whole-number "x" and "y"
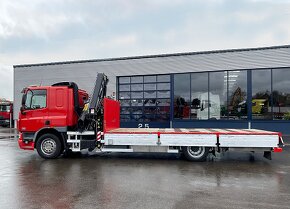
{"x": 6, "y": 113}
{"x": 62, "y": 118}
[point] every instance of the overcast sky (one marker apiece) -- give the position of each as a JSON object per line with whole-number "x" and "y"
{"x": 34, "y": 31}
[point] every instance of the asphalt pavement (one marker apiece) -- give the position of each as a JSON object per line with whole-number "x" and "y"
{"x": 236, "y": 180}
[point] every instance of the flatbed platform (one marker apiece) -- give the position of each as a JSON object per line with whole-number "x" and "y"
{"x": 192, "y": 131}
{"x": 192, "y": 137}
{"x": 183, "y": 137}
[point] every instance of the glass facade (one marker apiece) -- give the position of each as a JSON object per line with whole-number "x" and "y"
{"x": 237, "y": 94}
{"x": 217, "y": 105}
{"x": 181, "y": 96}
{"x": 281, "y": 94}
{"x": 144, "y": 98}
{"x": 240, "y": 95}
{"x": 261, "y": 94}
{"x": 211, "y": 95}
{"x": 199, "y": 96}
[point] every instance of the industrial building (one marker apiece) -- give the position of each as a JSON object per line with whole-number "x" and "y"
{"x": 238, "y": 88}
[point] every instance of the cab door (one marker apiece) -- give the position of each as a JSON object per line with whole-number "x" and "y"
{"x": 34, "y": 110}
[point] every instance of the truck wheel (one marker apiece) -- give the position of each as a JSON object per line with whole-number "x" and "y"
{"x": 196, "y": 154}
{"x": 48, "y": 146}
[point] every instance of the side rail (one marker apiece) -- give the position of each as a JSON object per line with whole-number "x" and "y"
{"x": 218, "y": 140}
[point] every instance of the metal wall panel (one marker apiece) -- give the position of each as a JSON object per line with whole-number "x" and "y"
{"x": 83, "y": 73}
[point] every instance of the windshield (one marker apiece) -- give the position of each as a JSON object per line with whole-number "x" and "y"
{"x": 35, "y": 99}
{"x": 4, "y": 108}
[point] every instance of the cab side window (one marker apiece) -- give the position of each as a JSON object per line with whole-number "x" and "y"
{"x": 36, "y": 99}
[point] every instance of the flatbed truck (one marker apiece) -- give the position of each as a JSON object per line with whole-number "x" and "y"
{"x": 61, "y": 118}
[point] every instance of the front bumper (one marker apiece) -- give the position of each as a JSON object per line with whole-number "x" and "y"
{"x": 25, "y": 144}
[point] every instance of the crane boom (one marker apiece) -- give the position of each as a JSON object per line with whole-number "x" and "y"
{"x": 94, "y": 107}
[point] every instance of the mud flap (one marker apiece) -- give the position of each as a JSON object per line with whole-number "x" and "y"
{"x": 268, "y": 155}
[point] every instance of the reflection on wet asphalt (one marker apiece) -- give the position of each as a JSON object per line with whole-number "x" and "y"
{"x": 141, "y": 181}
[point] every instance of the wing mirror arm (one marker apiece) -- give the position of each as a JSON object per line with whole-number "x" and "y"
{"x": 22, "y": 110}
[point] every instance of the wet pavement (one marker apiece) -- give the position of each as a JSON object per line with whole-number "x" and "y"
{"x": 8, "y": 132}
{"x": 141, "y": 181}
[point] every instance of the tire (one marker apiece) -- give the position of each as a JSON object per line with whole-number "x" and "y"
{"x": 196, "y": 154}
{"x": 48, "y": 146}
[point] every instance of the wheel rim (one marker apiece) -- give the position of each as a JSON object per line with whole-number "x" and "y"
{"x": 196, "y": 152}
{"x": 48, "y": 146}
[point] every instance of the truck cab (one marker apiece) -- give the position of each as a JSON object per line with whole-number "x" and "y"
{"x": 6, "y": 113}
{"x": 49, "y": 110}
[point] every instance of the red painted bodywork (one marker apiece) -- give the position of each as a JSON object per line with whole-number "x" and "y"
{"x": 59, "y": 111}
{"x": 5, "y": 114}
{"x": 277, "y": 149}
{"x": 111, "y": 114}
{"x": 26, "y": 146}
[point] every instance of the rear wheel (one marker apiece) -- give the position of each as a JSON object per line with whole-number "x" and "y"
{"x": 196, "y": 154}
{"x": 48, "y": 146}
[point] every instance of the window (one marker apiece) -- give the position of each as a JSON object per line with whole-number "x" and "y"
{"x": 137, "y": 87}
{"x": 150, "y": 94}
{"x": 150, "y": 86}
{"x": 144, "y": 98}
{"x": 137, "y": 79}
{"x": 4, "y": 108}
{"x": 261, "y": 94}
{"x": 163, "y": 94}
{"x": 124, "y": 95}
{"x": 150, "y": 102}
{"x": 217, "y": 95}
{"x": 125, "y": 118}
{"x": 136, "y": 102}
{"x": 163, "y": 106}
{"x": 281, "y": 94}
{"x": 199, "y": 96}
{"x": 210, "y": 95}
{"x": 35, "y": 99}
{"x": 28, "y": 99}
{"x": 163, "y": 78}
{"x": 125, "y": 103}
{"x": 237, "y": 91}
{"x": 125, "y": 110}
{"x": 182, "y": 96}
{"x": 137, "y": 95}
{"x": 124, "y": 88}
{"x": 124, "y": 80}
{"x": 150, "y": 79}
{"x": 163, "y": 86}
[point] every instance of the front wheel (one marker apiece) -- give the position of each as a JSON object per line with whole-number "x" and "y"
{"x": 48, "y": 146}
{"x": 196, "y": 154}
